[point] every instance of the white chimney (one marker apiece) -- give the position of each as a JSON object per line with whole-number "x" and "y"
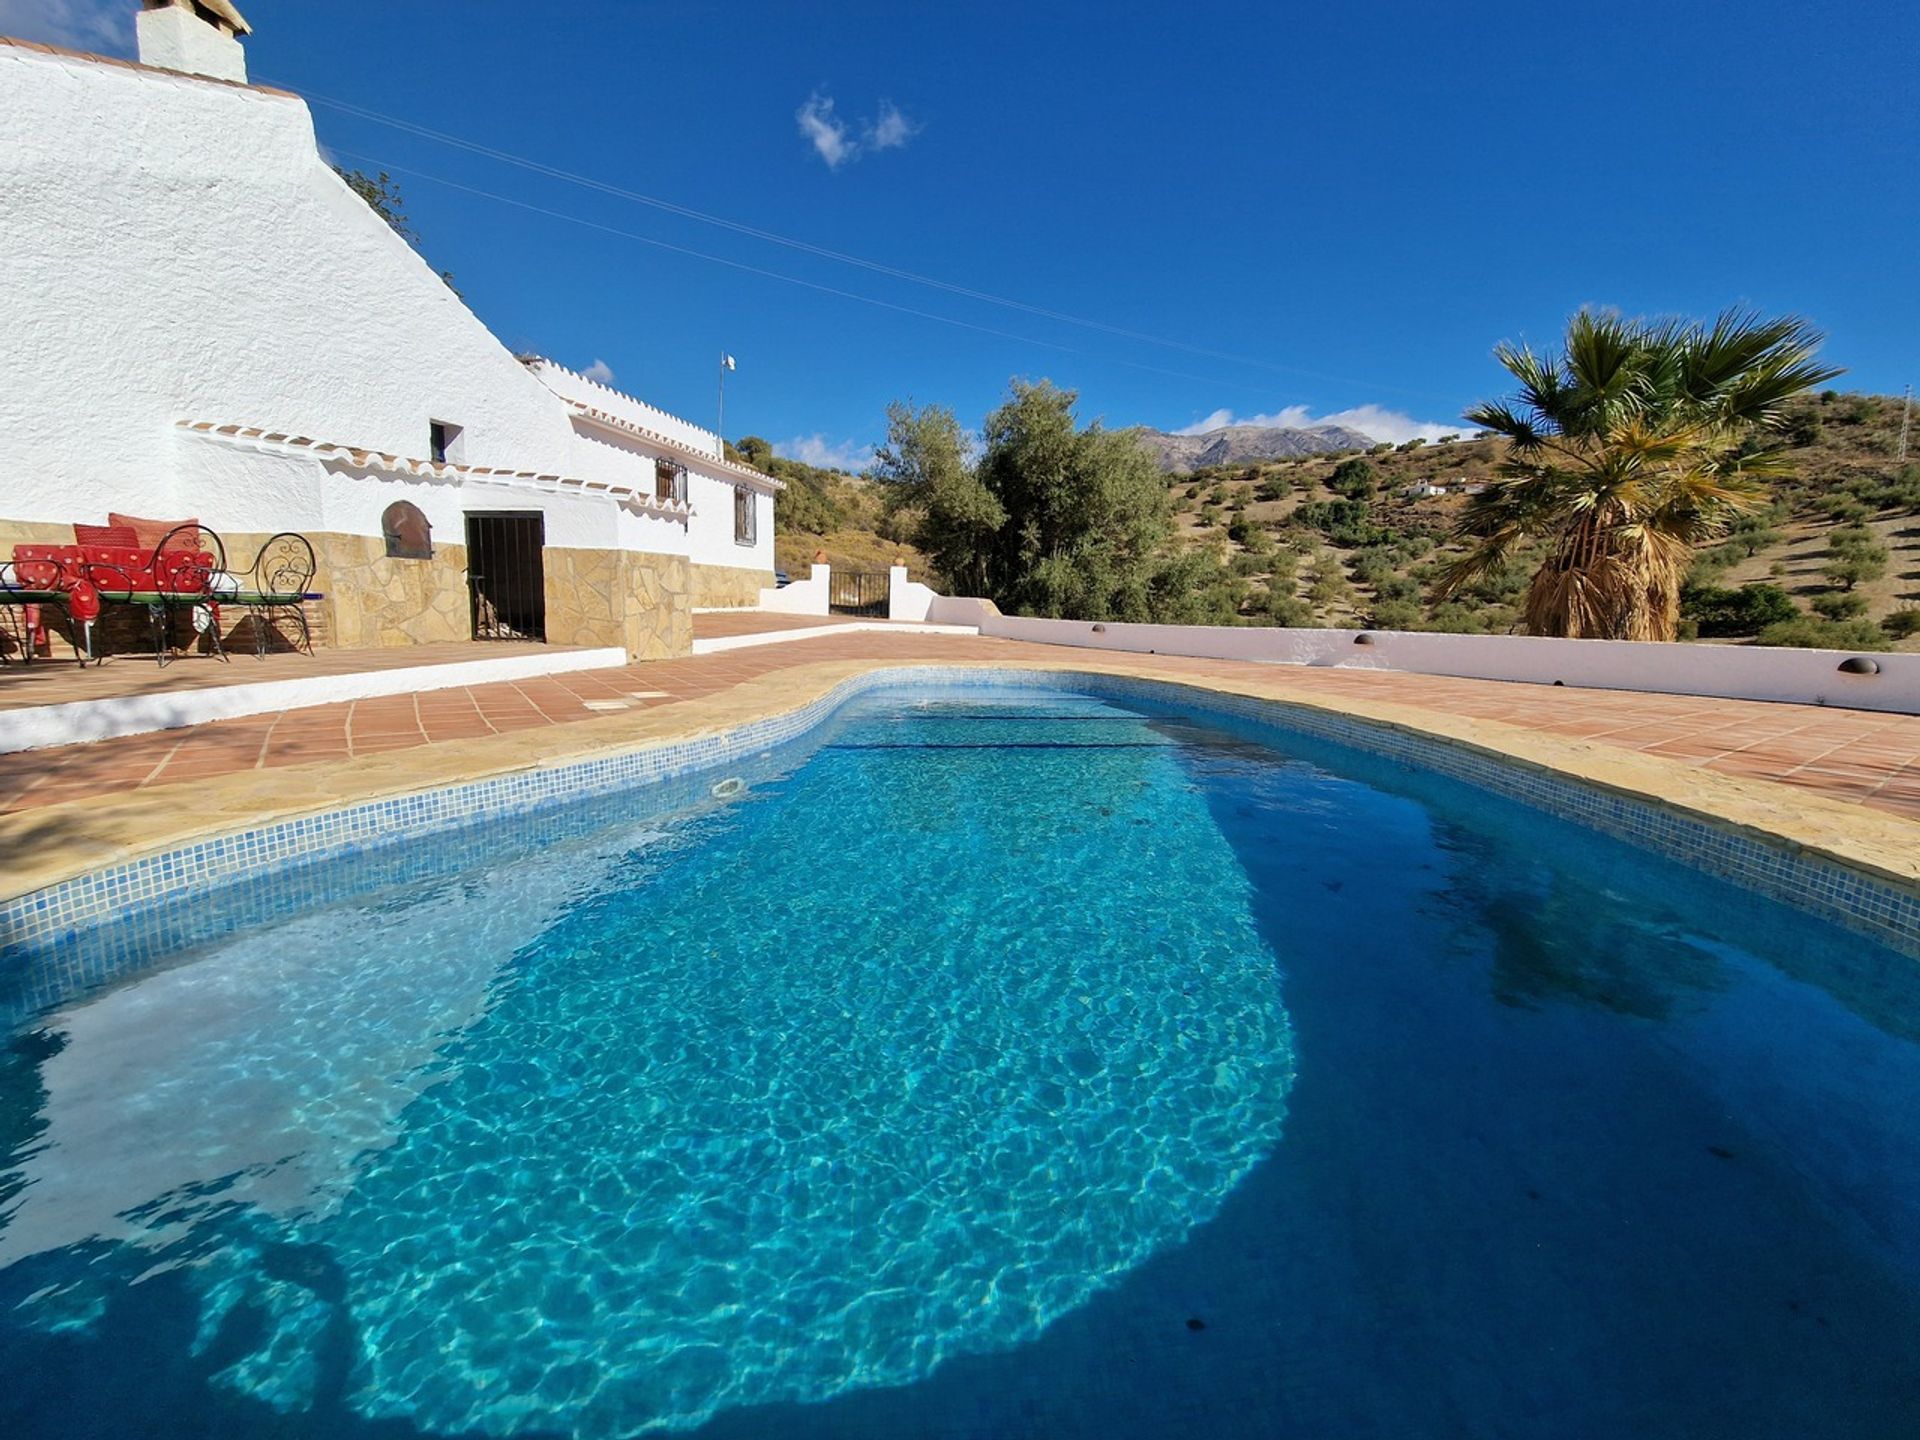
{"x": 201, "y": 37}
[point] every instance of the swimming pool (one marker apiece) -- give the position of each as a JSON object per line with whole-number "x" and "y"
{"x": 984, "y": 1062}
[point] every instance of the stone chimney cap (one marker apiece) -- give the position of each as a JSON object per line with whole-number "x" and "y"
{"x": 219, "y": 13}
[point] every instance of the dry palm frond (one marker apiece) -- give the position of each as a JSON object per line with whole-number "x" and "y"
{"x": 1623, "y": 454}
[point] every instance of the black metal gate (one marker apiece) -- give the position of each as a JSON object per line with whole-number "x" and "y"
{"x": 506, "y": 574}
{"x": 858, "y": 592}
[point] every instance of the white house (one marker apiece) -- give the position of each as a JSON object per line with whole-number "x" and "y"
{"x": 203, "y": 321}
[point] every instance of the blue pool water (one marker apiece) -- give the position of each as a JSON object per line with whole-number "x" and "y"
{"x": 998, "y": 1063}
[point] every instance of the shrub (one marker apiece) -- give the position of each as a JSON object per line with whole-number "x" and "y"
{"x": 1328, "y": 586}
{"x": 1283, "y": 608}
{"x": 1396, "y": 615}
{"x": 1902, "y": 624}
{"x": 1371, "y": 566}
{"x": 1355, "y": 479}
{"x": 1856, "y": 556}
{"x": 1846, "y": 508}
{"x": 1839, "y": 604}
{"x": 1805, "y": 431}
{"x": 1396, "y": 587}
{"x": 1752, "y": 534}
{"x": 1347, "y": 523}
{"x": 1454, "y": 618}
{"x": 1708, "y": 565}
{"x": 1717, "y": 611}
{"x": 1900, "y": 490}
{"x": 1810, "y": 632}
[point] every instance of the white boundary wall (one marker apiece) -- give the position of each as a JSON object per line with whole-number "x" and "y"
{"x": 34, "y": 727}
{"x": 1743, "y": 672}
{"x": 907, "y": 599}
{"x": 802, "y": 597}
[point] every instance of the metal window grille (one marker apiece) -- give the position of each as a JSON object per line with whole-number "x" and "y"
{"x": 506, "y": 574}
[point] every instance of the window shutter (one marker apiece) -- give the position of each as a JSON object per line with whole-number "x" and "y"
{"x": 753, "y": 518}
{"x": 680, "y": 485}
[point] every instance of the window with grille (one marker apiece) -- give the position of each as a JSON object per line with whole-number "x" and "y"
{"x": 670, "y": 482}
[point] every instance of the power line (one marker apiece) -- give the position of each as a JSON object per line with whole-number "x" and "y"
{"x": 775, "y": 274}
{"x": 837, "y": 256}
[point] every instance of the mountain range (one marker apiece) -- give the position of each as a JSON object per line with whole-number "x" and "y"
{"x": 1248, "y": 444}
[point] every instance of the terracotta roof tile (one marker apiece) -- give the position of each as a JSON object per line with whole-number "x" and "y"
{"x": 631, "y": 497}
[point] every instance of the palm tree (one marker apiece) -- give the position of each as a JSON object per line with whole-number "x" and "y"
{"x": 1641, "y": 441}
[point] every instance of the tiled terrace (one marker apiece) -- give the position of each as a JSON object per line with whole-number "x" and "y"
{"x": 1864, "y": 757}
{"x": 61, "y": 682}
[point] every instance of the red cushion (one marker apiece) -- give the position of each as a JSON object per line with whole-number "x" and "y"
{"x": 149, "y": 533}
{"x": 117, "y": 571}
{"x": 122, "y": 536}
{"x": 34, "y": 567}
{"x": 83, "y": 601}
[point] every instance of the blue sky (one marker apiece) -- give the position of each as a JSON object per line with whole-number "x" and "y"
{"x": 1317, "y": 210}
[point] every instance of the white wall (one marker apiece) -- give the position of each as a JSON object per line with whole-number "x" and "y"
{"x": 802, "y": 597}
{"x": 176, "y": 249}
{"x": 1747, "y": 672}
{"x": 908, "y": 599}
{"x": 707, "y": 534}
{"x": 710, "y": 531}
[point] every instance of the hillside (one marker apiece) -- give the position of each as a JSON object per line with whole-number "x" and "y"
{"x": 1840, "y": 544}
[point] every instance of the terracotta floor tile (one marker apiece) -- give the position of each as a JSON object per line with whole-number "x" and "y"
{"x": 381, "y": 744}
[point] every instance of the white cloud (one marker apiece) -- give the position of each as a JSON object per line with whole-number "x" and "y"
{"x": 835, "y": 142}
{"x": 1211, "y": 422}
{"x": 891, "y": 129}
{"x": 599, "y": 370}
{"x": 816, "y": 449}
{"x": 1375, "y": 420}
{"x": 101, "y": 26}
{"x": 826, "y": 131}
